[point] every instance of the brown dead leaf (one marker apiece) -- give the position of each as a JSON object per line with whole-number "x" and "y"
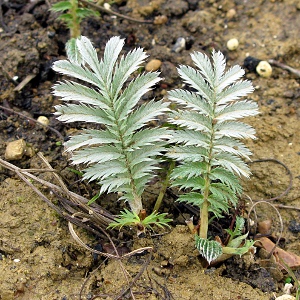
{"x": 291, "y": 259}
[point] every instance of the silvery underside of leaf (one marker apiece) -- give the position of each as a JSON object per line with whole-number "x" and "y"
{"x": 123, "y": 154}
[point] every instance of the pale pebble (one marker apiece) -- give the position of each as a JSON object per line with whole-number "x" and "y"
{"x": 153, "y": 65}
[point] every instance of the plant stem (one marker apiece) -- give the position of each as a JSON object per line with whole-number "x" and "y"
{"x": 75, "y": 28}
{"x": 206, "y": 192}
{"x": 136, "y": 204}
{"x": 164, "y": 187}
{"x": 204, "y": 210}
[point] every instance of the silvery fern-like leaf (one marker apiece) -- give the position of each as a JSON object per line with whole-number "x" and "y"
{"x": 190, "y": 100}
{"x": 236, "y": 110}
{"x": 72, "y": 52}
{"x": 205, "y": 67}
{"x": 207, "y": 142}
{"x": 83, "y": 113}
{"x": 123, "y": 154}
{"x": 209, "y": 249}
{"x": 90, "y": 138}
{"x": 219, "y": 64}
{"x": 189, "y": 76}
{"x": 234, "y": 129}
{"x": 233, "y": 74}
{"x": 188, "y": 154}
{"x": 73, "y": 91}
{"x": 232, "y": 163}
{"x": 234, "y": 92}
{"x": 191, "y": 120}
{"x": 135, "y": 90}
{"x": 189, "y": 137}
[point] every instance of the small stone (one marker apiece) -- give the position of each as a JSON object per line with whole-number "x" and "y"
{"x": 107, "y": 6}
{"x": 287, "y": 288}
{"x": 153, "y": 65}
{"x": 43, "y": 120}
{"x": 15, "y": 150}
{"x": 159, "y": 20}
{"x": 42, "y": 45}
{"x": 286, "y": 297}
{"x": 251, "y": 63}
{"x": 294, "y": 226}
{"x": 232, "y": 44}
{"x": 179, "y": 45}
{"x": 231, "y": 13}
{"x": 264, "y": 227}
{"x": 264, "y": 69}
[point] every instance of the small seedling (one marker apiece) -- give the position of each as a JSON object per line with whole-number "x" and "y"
{"x": 207, "y": 143}
{"x": 123, "y": 153}
{"x": 72, "y": 15}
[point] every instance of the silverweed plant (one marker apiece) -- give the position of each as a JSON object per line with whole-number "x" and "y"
{"x": 123, "y": 153}
{"x": 208, "y": 145}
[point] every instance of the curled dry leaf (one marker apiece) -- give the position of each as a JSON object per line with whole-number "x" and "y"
{"x": 291, "y": 259}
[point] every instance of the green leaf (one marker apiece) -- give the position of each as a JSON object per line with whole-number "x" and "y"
{"x": 194, "y": 183}
{"x": 127, "y": 65}
{"x": 61, "y": 6}
{"x": 235, "y": 92}
{"x": 239, "y": 250}
{"x": 226, "y": 177}
{"x": 239, "y": 227}
{"x": 219, "y": 64}
{"x": 128, "y": 218}
{"x": 189, "y": 170}
{"x": 231, "y": 145}
{"x": 235, "y": 130}
{"x": 90, "y": 138}
{"x": 232, "y": 75}
{"x": 68, "y": 18}
{"x": 82, "y": 12}
{"x": 73, "y": 70}
{"x": 203, "y": 63}
{"x": 192, "y": 198}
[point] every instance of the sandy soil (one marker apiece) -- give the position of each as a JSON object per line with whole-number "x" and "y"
{"x": 38, "y": 257}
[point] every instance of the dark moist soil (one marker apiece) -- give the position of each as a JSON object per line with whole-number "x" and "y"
{"x": 38, "y": 257}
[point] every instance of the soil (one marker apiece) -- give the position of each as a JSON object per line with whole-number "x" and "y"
{"x": 39, "y": 259}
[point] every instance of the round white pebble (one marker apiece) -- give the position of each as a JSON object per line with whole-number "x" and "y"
{"x": 43, "y": 120}
{"x": 286, "y": 297}
{"x": 264, "y": 69}
{"x": 232, "y": 44}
